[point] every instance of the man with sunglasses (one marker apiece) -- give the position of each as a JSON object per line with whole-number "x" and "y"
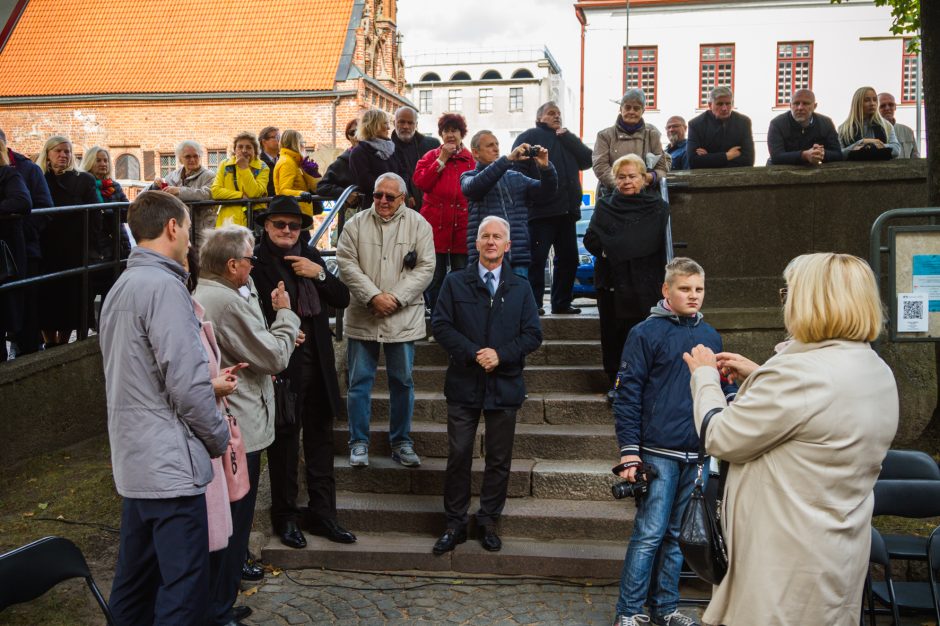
{"x": 386, "y": 257}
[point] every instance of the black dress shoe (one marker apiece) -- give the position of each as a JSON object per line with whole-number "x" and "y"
{"x": 252, "y": 572}
{"x": 541, "y": 311}
{"x": 567, "y": 311}
{"x": 292, "y": 537}
{"x": 330, "y": 529}
{"x": 489, "y": 539}
{"x": 449, "y": 540}
{"x": 240, "y": 612}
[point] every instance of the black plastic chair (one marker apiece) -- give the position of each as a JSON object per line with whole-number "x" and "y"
{"x": 879, "y": 556}
{"x": 911, "y": 498}
{"x": 31, "y": 570}
{"x": 909, "y": 464}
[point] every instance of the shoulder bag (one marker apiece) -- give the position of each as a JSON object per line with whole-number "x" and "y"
{"x": 234, "y": 460}
{"x": 700, "y": 538}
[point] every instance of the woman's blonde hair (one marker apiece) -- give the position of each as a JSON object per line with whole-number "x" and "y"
{"x": 854, "y": 124}
{"x": 246, "y": 136}
{"x": 629, "y": 159}
{"x": 4, "y": 155}
{"x": 291, "y": 139}
{"x": 42, "y": 160}
{"x": 370, "y": 124}
{"x": 91, "y": 155}
{"x": 831, "y": 296}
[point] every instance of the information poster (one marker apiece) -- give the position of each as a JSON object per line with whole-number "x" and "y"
{"x": 926, "y": 279}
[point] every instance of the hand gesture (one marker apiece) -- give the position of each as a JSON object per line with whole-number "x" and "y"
{"x": 518, "y": 153}
{"x": 301, "y": 337}
{"x": 305, "y": 197}
{"x": 241, "y": 161}
{"x": 448, "y": 150}
{"x": 226, "y": 382}
{"x": 487, "y": 359}
{"x": 383, "y": 305}
{"x": 630, "y": 473}
{"x": 173, "y": 191}
{"x": 734, "y": 366}
{"x": 701, "y": 356}
{"x": 280, "y": 299}
{"x": 303, "y": 266}
{"x": 542, "y": 158}
{"x": 733, "y": 153}
{"x": 561, "y": 131}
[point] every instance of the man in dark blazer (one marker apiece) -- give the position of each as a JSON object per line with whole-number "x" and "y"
{"x": 801, "y": 136}
{"x": 720, "y": 137}
{"x": 487, "y": 322}
{"x": 270, "y": 140}
{"x": 410, "y": 146}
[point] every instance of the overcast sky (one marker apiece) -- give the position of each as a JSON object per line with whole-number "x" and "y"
{"x": 501, "y": 24}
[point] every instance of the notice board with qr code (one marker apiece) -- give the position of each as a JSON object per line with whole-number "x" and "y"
{"x": 914, "y": 283}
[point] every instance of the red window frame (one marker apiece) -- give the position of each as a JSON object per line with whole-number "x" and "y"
{"x": 710, "y": 61}
{"x": 908, "y": 75}
{"x": 788, "y": 58}
{"x": 646, "y": 68}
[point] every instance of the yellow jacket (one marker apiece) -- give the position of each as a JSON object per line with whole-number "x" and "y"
{"x": 232, "y": 183}
{"x": 291, "y": 180}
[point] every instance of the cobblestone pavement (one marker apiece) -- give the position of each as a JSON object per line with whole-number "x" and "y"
{"x": 322, "y": 597}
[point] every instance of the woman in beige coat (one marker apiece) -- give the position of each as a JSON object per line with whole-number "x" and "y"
{"x": 805, "y": 439}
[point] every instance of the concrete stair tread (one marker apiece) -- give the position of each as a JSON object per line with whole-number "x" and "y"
{"x": 404, "y": 552}
{"x": 424, "y": 394}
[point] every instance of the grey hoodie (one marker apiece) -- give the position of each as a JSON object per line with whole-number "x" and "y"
{"x": 163, "y": 422}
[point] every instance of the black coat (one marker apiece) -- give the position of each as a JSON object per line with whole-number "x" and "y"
{"x": 42, "y": 199}
{"x": 466, "y": 320}
{"x": 717, "y": 137}
{"x": 366, "y": 166}
{"x": 569, "y": 155}
{"x": 14, "y": 200}
{"x": 787, "y": 139}
{"x": 270, "y": 163}
{"x": 406, "y": 158}
{"x": 332, "y": 292}
{"x": 338, "y": 176}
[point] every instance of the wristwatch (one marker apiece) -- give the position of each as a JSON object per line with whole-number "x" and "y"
{"x": 321, "y": 276}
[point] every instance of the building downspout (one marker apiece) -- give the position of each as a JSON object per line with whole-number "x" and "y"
{"x": 581, "y": 18}
{"x": 335, "y": 104}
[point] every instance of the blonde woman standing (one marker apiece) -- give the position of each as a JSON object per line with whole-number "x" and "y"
{"x": 295, "y": 174}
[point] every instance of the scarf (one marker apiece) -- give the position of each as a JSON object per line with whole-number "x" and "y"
{"x": 630, "y": 129}
{"x": 302, "y": 291}
{"x": 384, "y": 148}
{"x": 630, "y": 227}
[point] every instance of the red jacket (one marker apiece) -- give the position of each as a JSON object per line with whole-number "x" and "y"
{"x": 445, "y": 208}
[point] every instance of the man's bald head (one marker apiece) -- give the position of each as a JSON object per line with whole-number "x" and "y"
{"x": 802, "y": 106}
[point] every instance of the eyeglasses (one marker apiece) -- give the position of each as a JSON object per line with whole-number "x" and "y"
{"x": 269, "y": 137}
{"x": 783, "y": 295}
{"x": 251, "y": 259}
{"x": 281, "y": 225}
{"x": 378, "y": 195}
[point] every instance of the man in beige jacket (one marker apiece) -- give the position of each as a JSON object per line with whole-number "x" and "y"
{"x": 386, "y": 258}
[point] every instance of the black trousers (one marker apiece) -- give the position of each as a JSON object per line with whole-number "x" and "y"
{"x": 162, "y": 574}
{"x": 316, "y": 420}
{"x": 442, "y": 261}
{"x": 461, "y": 436}
{"x": 233, "y": 557}
{"x": 29, "y": 338}
{"x": 560, "y": 232}
{"x": 614, "y": 331}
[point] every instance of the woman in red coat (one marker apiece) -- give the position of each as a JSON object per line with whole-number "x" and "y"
{"x": 438, "y": 176}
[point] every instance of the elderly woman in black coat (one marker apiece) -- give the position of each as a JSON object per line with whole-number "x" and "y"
{"x": 60, "y": 301}
{"x": 282, "y": 256}
{"x": 627, "y": 235}
{"x": 14, "y": 200}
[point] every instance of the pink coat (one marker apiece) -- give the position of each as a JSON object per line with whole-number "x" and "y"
{"x": 217, "y": 505}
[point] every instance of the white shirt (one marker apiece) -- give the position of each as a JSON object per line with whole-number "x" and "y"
{"x": 496, "y": 273}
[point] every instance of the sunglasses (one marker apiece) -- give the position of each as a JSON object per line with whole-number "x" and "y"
{"x": 281, "y": 225}
{"x": 378, "y": 195}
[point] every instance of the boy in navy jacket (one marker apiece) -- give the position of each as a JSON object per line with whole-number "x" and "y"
{"x": 653, "y": 413}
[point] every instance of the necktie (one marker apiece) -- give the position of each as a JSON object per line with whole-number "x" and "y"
{"x": 490, "y": 283}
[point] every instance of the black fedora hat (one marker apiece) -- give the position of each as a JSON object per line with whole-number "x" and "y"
{"x": 284, "y": 205}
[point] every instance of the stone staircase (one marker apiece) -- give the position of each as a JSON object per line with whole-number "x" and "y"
{"x": 559, "y": 519}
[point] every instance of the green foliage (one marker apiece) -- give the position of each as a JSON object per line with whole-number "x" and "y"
{"x": 906, "y": 14}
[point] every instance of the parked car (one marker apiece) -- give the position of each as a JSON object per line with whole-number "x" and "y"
{"x": 584, "y": 277}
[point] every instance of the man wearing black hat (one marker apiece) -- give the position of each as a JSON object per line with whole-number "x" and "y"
{"x": 283, "y": 256}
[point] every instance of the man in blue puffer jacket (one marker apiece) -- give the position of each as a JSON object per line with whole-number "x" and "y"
{"x": 494, "y": 188}
{"x": 653, "y": 413}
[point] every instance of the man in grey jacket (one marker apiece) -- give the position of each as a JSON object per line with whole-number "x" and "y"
{"x": 163, "y": 423}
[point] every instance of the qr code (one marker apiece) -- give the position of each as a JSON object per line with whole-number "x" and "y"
{"x": 913, "y": 310}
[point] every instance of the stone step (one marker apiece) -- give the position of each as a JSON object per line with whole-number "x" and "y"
{"x": 535, "y": 518}
{"x": 547, "y": 407}
{"x": 520, "y": 556}
{"x": 551, "y": 352}
{"x": 538, "y": 378}
{"x": 580, "y": 479}
{"x": 532, "y": 441}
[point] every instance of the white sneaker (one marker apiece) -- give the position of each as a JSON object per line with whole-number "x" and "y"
{"x": 359, "y": 455}
{"x": 406, "y": 456}
{"x": 631, "y": 620}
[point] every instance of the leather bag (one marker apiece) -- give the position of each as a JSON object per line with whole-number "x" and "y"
{"x": 235, "y": 461}
{"x": 700, "y": 537}
{"x": 285, "y": 404}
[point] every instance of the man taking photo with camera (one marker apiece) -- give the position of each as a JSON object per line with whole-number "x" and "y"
{"x": 653, "y": 415}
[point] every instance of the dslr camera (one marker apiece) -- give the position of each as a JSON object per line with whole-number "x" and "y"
{"x": 645, "y": 473}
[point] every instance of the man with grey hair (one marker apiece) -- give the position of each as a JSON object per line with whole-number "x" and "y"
{"x": 676, "y": 129}
{"x": 386, "y": 258}
{"x": 190, "y": 183}
{"x": 410, "y": 146}
{"x": 487, "y": 321}
{"x": 552, "y": 219}
{"x": 720, "y": 137}
{"x": 887, "y": 106}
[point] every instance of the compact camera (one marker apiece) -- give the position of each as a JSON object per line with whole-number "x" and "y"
{"x": 645, "y": 473}
{"x": 533, "y": 151}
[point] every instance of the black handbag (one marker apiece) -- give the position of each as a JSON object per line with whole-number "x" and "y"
{"x": 285, "y": 404}
{"x": 700, "y": 538}
{"x": 8, "y": 270}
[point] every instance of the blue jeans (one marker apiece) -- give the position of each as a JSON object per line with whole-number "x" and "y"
{"x": 653, "y": 562}
{"x": 362, "y": 360}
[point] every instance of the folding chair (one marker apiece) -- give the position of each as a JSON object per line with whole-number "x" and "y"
{"x": 879, "y": 556}
{"x": 31, "y": 570}
{"x": 909, "y": 464}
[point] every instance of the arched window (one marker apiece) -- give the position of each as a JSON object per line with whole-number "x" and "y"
{"x": 491, "y": 75}
{"x": 127, "y": 167}
{"x": 430, "y": 77}
{"x": 460, "y": 76}
{"x": 522, "y": 74}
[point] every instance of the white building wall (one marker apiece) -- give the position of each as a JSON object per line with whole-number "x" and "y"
{"x": 852, "y": 47}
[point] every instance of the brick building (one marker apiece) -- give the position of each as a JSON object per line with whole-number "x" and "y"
{"x": 138, "y": 77}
